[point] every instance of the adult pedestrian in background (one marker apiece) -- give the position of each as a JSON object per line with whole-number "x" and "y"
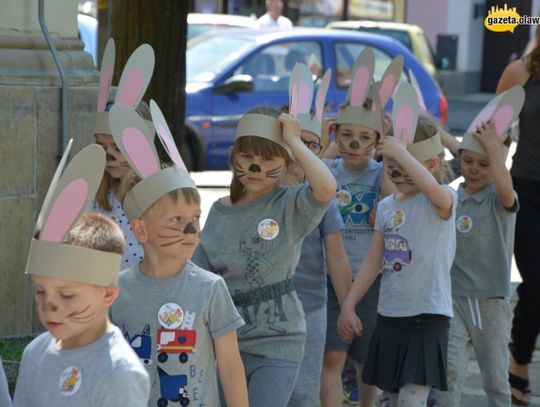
{"x": 526, "y": 177}
{"x": 273, "y": 17}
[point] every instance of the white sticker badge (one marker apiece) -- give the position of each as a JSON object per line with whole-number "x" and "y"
{"x": 464, "y": 224}
{"x": 343, "y": 197}
{"x": 268, "y": 229}
{"x": 170, "y": 315}
{"x": 70, "y": 381}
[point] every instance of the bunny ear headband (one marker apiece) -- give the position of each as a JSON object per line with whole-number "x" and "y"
{"x": 260, "y": 125}
{"x": 301, "y": 95}
{"x": 133, "y": 82}
{"x": 136, "y": 141}
{"x": 360, "y": 106}
{"x": 503, "y": 110}
{"x": 405, "y": 119}
{"x": 67, "y": 197}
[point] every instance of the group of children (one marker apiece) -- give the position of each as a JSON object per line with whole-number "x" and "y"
{"x": 237, "y": 314}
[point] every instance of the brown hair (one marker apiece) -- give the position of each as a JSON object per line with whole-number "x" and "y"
{"x": 533, "y": 59}
{"x": 425, "y": 130}
{"x": 95, "y": 231}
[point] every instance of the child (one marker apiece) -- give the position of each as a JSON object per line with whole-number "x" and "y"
{"x": 486, "y": 216}
{"x": 407, "y": 352}
{"x": 130, "y": 92}
{"x": 360, "y": 183}
{"x": 179, "y": 318}
{"x": 322, "y": 247}
{"x": 253, "y": 239}
{"x": 83, "y": 360}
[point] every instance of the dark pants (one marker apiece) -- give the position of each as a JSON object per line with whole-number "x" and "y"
{"x": 526, "y": 323}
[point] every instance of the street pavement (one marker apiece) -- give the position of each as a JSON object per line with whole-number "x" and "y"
{"x": 461, "y": 111}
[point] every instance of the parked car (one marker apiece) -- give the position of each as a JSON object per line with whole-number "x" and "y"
{"x": 410, "y": 35}
{"x": 226, "y": 75}
{"x": 199, "y": 23}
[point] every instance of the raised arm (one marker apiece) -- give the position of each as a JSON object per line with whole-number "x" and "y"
{"x": 514, "y": 74}
{"x": 321, "y": 180}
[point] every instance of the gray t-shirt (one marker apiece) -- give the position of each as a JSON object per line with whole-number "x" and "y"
{"x": 357, "y": 195}
{"x": 418, "y": 255}
{"x": 255, "y": 246}
{"x": 105, "y": 373}
{"x": 485, "y": 242}
{"x": 310, "y": 276}
{"x": 172, "y": 324}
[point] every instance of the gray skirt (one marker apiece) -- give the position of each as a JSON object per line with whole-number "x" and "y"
{"x": 408, "y": 350}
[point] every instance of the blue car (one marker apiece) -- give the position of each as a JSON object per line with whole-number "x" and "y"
{"x": 229, "y": 73}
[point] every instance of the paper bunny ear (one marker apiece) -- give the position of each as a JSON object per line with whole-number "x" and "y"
{"x": 418, "y": 91}
{"x": 503, "y": 110}
{"x": 136, "y": 77}
{"x": 106, "y": 74}
{"x": 165, "y": 136}
{"x": 68, "y": 196}
{"x": 405, "y": 112}
{"x": 134, "y": 139}
{"x": 300, "y": 90}
{"x": 321, "y": 95}
{"x": 76, "y": 187}
{"x": 390, "y": 79}
{"x": 361, "y": 77}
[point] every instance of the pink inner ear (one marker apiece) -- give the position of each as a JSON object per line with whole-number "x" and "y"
{"x": 293, "y": 108}
{"x": 503, "y": 119}
{"x": 404, "y": 122}
{"x": 386, "y": 89}
{"x": 171, "y": 147}
{"x": 140, "y": 151}
{"x": 304, "y": 98}
{"x": 69, "y": 203}
{"x": 104, "y": 85}
{"x": 360, "y": 82}
{"x": 130, "y": 92}
{"x": 483, "y": 116}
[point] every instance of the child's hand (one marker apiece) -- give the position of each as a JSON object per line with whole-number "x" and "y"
{"x": 349, "y": 326}
{"x": 328, "y": 127}
{"x": 391, "y": 147}
{"x": 486, "y": 135}
{"x": 290, "y": 126}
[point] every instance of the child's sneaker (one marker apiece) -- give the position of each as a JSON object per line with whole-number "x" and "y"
{"x": 350, "y": 393}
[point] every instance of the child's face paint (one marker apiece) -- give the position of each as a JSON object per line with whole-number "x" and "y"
{"x": 117, "y": 165}
{"x": 356, "y": 144}
{"x": 172, "y": 228}
{"x": 400, "y": 178}
{"x": 257, "y": 174}
{"x": 476, "y": 170}
{"x": 74, "y": 313}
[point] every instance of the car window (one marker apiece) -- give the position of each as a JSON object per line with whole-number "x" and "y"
{"x": 346, "y": 54}
{"x": 271, "y": 66}
{"x": 401, "y": 36}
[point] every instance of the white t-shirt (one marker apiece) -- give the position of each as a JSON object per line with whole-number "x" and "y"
{"x": 267, "y": 21}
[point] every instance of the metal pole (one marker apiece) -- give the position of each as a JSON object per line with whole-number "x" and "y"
{"x": 58, "y": 62}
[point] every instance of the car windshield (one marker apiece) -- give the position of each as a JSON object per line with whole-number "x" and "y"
{"x": 206, "y": 56}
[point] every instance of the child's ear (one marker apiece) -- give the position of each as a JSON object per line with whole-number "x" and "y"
{"x": 434, "y": 163}
{"x": 110, "y": 295}
{"x": 139, "y": 230}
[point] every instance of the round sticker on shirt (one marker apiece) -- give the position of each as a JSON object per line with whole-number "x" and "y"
{"x": 464, "y": 224}
{"x": 268, "y": 229}
{"x": 399, "y": 218}
{"x": 170, "y": 315}
{"x": 70, "y": 381}
{"x": 343, "y": 197}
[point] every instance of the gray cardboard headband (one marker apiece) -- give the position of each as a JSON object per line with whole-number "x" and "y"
{"x": 261, "y": 125}
{"x": 103, "y": 127}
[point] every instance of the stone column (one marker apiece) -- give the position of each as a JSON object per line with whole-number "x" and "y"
{"x": 31, "y": 134}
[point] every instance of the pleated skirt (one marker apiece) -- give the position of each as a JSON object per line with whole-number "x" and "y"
{"x": 408, "y": 350}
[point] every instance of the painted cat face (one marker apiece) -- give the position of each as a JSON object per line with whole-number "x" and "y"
{"x": 258, "y": 174}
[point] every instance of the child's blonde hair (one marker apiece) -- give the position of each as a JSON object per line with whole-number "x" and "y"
{"x": 257, "y": 146}
{"x": 97, "y": 232}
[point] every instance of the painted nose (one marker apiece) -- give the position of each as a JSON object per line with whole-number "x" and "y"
{"x": 254, "y": 168}
{"x": 49, "y": 306}
{"x": 190, "y": 228}
{"x": 110, "y": 157}
{"x": 355, "y": 144}
{"x": 395, "y": 174}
